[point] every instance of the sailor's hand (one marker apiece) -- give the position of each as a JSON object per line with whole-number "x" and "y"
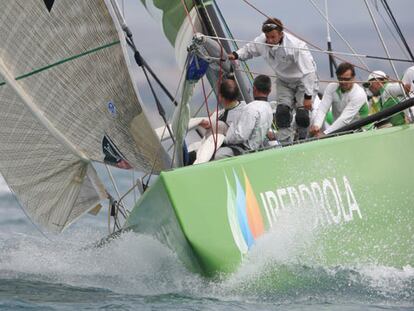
{"x": 307, "y": 104}
{"x": 407, "y": 88}
{"x": 314, "y": 130}
{"x": 271, "y": 135}
{"x": 320, "y": 134}
{"x": 231, "y": 56}
{"x": 205, "y": 124}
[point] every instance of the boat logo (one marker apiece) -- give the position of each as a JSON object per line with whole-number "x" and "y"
{"x": 243, "y": 212}
{"x": 112, "y": 109}
{"x": 332, "y": 202}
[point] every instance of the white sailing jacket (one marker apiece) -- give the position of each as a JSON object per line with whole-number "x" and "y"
{"x": 345, "y": 106}
{"x": 233, "y": 114}
{"x": 252, "y": 126}
{"x": 408, "y": 78}
{"x": 290, "y": 60}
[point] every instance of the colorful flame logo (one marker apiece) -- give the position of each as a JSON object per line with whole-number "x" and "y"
{"x": 243, "y": 211}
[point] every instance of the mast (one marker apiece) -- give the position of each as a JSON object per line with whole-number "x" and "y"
{"x": 212, "y": 25}
{"x": 332, "y": 62}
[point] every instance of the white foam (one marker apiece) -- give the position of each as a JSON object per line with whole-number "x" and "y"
{"x": 132, "y": 264}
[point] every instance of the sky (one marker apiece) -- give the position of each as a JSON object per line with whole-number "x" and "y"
{"x": 350, "y": 18}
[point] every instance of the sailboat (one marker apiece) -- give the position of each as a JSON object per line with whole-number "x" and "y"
{"x": 68, "y": 100}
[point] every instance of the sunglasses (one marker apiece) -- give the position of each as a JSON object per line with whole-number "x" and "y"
{"x": 270, "y": 27}
{"x": 345, "y": 79}
{"x": 368, "y": 83}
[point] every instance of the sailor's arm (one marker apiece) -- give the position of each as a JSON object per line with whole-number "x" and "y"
{"x": 306, "y": 64}
{"x": 248, "y": 51}
{"x": 323, "y": 108}
{"x": 395, "y": 90}
{"x": 309, "y": 81}
{"x": 240, "y": 131}
{"x": 347, "y": 115}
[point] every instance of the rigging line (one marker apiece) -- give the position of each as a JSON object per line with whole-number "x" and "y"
{"x": 285, "y": 28}
{"x": 226, "y": 26}
{"x": 215, "y": 28}
{"x": 403, "y": 50}
{"x": 341, "y": 59}
{"x": 175, "y": 97}
{"x": 325, "y": 81}
{"x": 109, "y": 215}
{"x": 199, "y": 4}
{"x": 208, "y": 113}
{"x": 142, "y": 63}
{"x": 161, "y": 110}
{"x": 397, "y": 27}
{"x": 183, "y": 73}
{"x": 188, "y": 16}
{"x": 235, "y": 46}
{"x": 203, "y": 103}
{"x": 134, "y": 185}
{"x": 133, "y": 180}
{"x": 219, "y": 81}
{"x": 334, "y": 53}
{"x": 111, "y": 177}
{"x": 130, "y": 42}
{"x": 382, "y": 41}
{"x": 337, "y": 32}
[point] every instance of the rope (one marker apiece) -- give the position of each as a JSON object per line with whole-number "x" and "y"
{"x": 179, "y": 117}
{"x": 188, "y": 16}
{"x": 327, "y": 81}
{"x": 314, "y": 50}
{"x": 315, "y": 46}
{"x": 218, "y": 86}
{"x": 338, "y": 33}
{"x": 397, "y": 27}
{"x": 208, "y": 113}
{"x": 203, "y": 103}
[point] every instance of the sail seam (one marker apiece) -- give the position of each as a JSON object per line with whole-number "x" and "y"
{"x": 64, "y": 61}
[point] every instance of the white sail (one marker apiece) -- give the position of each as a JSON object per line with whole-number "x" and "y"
{"x": 54, "y": 185}
{"x": 70, "y": 62}
{"x": 66, "y": 98}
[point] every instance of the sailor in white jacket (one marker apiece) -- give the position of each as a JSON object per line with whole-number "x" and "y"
{"x": 346, "y": 98}
{"x": 408, "y": 80}
{"x": 295, "y": 69}
{"x": 250, "y": 130}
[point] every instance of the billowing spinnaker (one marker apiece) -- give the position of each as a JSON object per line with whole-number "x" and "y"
{"x": 70, "y": 61}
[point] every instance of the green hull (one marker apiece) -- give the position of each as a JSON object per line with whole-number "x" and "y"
{"x": 351, "y": 194}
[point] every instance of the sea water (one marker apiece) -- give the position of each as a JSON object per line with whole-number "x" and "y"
{"x": 66, "y": 272}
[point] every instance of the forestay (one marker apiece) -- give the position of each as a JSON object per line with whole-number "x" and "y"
{"x": 65, "y": 89}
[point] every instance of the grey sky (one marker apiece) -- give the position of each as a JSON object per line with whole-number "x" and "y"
{"x": 350, "y": 17}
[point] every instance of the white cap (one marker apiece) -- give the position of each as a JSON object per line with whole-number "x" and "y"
{"x": 377, "y": 74}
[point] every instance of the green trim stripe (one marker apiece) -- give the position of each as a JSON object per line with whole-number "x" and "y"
{"x": 63, "y": 61}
